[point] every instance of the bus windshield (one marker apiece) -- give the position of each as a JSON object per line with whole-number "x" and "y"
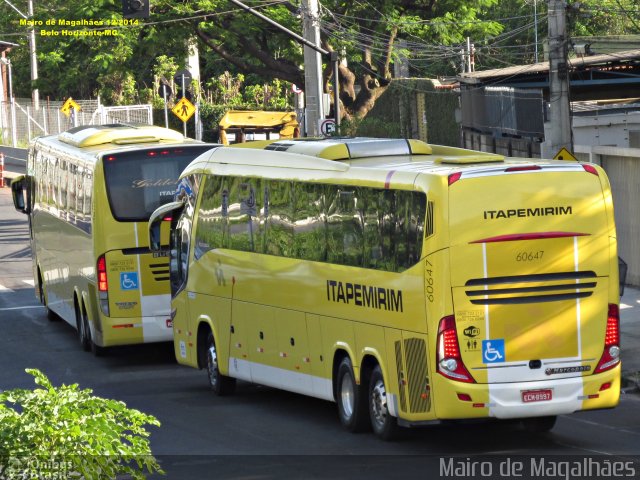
{"x": 139, "y": 182}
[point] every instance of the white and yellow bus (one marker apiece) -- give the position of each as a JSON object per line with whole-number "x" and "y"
{"x": 406, "y": 282}
{"x": 88, "y": 193}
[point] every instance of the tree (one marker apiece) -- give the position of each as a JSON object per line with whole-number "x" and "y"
{"x": 65, "y": 432}
{"x": 364, "y": 32}
{"x": 74, "y": 61}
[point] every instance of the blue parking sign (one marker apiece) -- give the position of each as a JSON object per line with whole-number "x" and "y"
{"x": 493, "y": 350}
{"x": 128, "y": 280}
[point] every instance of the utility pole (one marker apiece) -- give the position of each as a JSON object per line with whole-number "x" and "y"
{"x": 313, "y": 90}
{"x": 35, "y": 94}
{"x": 315, "y": 83}
{"x": 557, "y": 130}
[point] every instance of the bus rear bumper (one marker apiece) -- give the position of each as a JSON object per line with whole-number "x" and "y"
{"x": 530, "y": 399}
{"x": 129, "y": 331}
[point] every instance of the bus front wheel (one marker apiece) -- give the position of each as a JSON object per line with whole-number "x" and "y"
{"x": 384, "y": 425}
{"x": 220, "y": 384}
{"x": 351, "y": 398}
{"x": 43, "y": 300}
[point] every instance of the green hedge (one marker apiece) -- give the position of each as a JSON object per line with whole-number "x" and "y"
{"x": 395, "y": 113}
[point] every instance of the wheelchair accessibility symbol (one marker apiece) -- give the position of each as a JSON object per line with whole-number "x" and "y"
{"x": 129, "y": 280}
{"x": 493, "y": 350}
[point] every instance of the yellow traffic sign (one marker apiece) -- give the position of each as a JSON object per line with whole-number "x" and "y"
{"x": 184, "y": 109}
{"x": 68, "y": 105}
{"x": 564, "y": 154}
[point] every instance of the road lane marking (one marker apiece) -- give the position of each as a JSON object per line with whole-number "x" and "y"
{"x": 29, "y": 282}
{"x": 19, "y": 308}
{"x": 5, "y": 289}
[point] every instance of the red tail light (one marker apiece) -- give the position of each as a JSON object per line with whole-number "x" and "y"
{"x": 103, "y": 286}
{"x": 448, "y": 361}
{"x": 591, "y": 169}
{"x": 611, "y": 354}
{"x": 454, "y": 177}
{"x": 523, "y": 168}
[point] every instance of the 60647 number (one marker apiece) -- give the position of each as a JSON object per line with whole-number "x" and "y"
{"x": 529, "y": 256}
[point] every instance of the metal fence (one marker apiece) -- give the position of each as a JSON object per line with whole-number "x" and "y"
{"x": 503, "y": 110}
{"x": 21, "y": 121}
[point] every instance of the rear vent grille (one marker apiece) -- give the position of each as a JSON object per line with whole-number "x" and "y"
{"x": 429, "y": 227}
{"x": 547, "y": 287}
{"x": 401, "y": 380}
{"x": 415, "y": 378}
{"x": 160, "y": 271}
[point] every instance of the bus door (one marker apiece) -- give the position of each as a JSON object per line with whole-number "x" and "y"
{"x": 530, "y": 273}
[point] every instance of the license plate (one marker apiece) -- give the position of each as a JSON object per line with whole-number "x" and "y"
{"x": 529, "y": 396}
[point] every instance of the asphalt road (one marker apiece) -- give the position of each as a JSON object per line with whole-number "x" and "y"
{"x": 262, "y": 433}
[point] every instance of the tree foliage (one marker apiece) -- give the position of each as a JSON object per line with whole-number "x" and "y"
{"x": 371, "y": 36}
{"x": 364, "y": 33}
{"x": 65, "y": 432}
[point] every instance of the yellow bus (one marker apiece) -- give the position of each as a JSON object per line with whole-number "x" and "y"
{"x": 409, "y": 283}
{"x": 88, "y": 193}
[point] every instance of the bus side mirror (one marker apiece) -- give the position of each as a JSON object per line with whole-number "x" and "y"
{"x": 154, "y": 236}
{"x": 18, "y": 189}
{"x": 165, "y": 212}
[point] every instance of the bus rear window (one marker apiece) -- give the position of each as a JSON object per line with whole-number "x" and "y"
{"x": 139, "y": 182}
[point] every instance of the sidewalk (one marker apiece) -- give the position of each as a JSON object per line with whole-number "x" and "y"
{"x": 630, "y": 337}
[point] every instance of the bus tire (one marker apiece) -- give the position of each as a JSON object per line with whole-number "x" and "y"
{"x": 220, "y": 384}
{"x": 97, "y": 350}
{"x": 52, "y": 317}
{"x": 83, "y": 327}
{"x": 351, "y": 399}
{"x": 539, "y": 424}
{"x": 384, "y": 425}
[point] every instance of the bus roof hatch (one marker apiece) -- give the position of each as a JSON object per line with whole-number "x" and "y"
{"x": 352, "y": 148}
{"x": 91, "y": 135}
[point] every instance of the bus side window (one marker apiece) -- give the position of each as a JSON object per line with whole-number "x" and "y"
{"x": 279, "y": 225}
{"x": 179, "y": 251}
{"x": 79, "y": 193}
{"x": 71, "y": 192}
{"x": 211, "y": 231}
{"x": 86, "y": 179}
{"x": 309, "y": 240}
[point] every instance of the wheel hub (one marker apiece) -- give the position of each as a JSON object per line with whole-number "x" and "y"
{"x": 212, "y": 364}
{"x": 347, "y": 396}
{"x": 379, "y": 403}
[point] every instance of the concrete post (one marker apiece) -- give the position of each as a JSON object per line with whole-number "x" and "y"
{"x": 558, "y": 128}
{"x": 312, "y": 68}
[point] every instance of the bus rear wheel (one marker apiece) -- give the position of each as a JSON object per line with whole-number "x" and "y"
{"x": 384, "y": 425}
{"x": 220, "y": 384}
{"x": 84, "y": 334}
{"x": 351, "y": 398}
